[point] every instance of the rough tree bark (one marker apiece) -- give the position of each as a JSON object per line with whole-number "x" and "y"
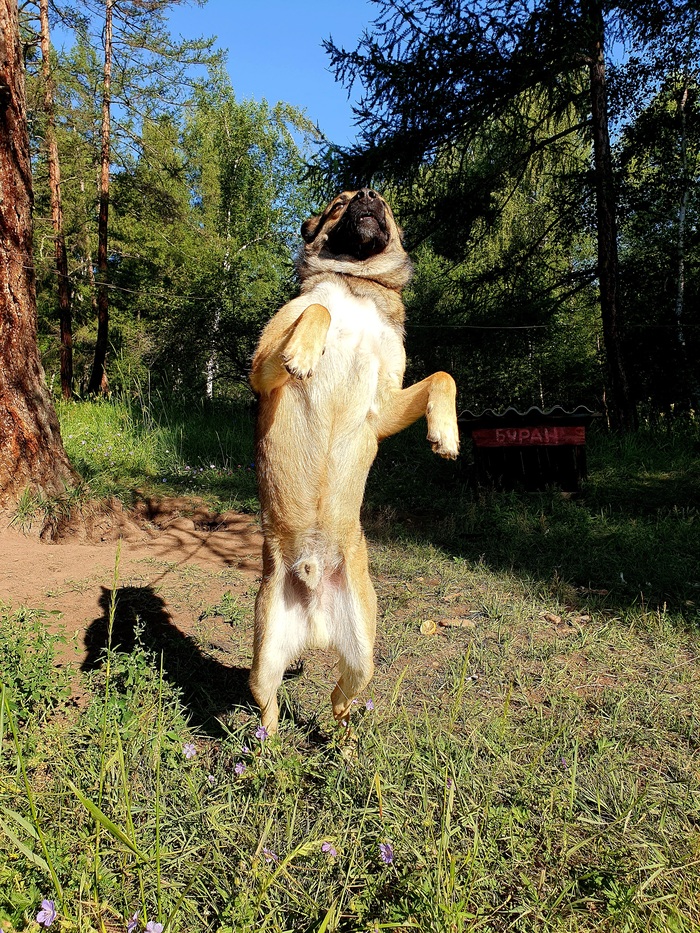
{"x": 31, "y": 450}
{"x": 63, "y": 284}
{"x": 98, "y": 378}
{"x": 621, "y": 410}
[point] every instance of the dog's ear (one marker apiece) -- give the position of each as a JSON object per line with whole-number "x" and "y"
{"x": 310, "y": 228}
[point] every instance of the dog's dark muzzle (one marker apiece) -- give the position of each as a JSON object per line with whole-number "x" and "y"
{"x": 362, "y": 230}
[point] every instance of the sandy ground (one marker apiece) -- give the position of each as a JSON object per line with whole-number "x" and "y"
{"x": 169, "y": 560}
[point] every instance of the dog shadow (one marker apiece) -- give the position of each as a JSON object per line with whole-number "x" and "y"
{"x": 208, "y": 688}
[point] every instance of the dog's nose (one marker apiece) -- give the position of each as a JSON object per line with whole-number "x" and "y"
{"x": 366, "y": 193}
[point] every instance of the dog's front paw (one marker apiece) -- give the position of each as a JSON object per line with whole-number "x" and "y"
{"x": 301, "y": 361}
{"x": 444, "y": 441}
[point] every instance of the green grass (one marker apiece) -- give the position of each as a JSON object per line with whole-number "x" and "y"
{"x": 126, "y": 449}
{"x": 535, "y": 769}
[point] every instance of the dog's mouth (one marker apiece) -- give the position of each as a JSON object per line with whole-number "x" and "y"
{"x": 362, "y": 231}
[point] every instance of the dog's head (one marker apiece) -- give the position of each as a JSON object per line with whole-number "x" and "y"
{"x": 355, "y": 235}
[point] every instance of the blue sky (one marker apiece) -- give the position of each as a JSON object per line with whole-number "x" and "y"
{"x": 275, "y": 52}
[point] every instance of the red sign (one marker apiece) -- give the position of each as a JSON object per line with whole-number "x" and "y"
{"x": 534, "y": 436}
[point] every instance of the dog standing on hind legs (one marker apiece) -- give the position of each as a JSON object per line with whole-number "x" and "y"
{"x": 328, "y": 371}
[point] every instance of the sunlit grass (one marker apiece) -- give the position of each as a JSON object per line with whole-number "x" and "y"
{"x": 533, "y": 780}
{"x": 121, "y": 446}
{"x": 533, "y": 768}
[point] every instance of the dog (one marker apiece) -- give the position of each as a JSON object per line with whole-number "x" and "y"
{"x": 328, "y": 373}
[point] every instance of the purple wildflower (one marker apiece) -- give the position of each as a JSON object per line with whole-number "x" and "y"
{"x": 133, "y": 924}
{"x": 369, "y": 705}
{"x": 262, "y": 733}
{"x": 47, "y": 914}
{"x": 386, "y": 852}
{"x": 211, "y": 780}
{"x": 153, "y": 927}
{"x": 239, "y": 768}
{"x": 329, "y": 849}
{"x": 449, "y": 783}
{"x": 270, "y": 856}
{"x": 245, "y": 750}
{"x": 189, "y": 750}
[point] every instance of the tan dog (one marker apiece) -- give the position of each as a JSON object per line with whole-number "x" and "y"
{"x": 328, "y": 370}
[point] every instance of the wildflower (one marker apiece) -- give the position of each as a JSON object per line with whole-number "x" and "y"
{"x": 239, "y": 768}
{"x": 329, "y": 849}
{"x": 449, "y": 783}
{"x": 211, "y": 780}
{"x": 153, "y": 927}
{"x": 386, "y": 852}
{"x": 369, "y": 705}
{"x": 188, "y": 750}
{"x": 262, "y": 733}
{"x": 133, "y": 924}
{"x": 563, "y": 763}
{"x": 47, "y": 914}
{"x": 270, "y": 856}
{"x": 245, "y": 750}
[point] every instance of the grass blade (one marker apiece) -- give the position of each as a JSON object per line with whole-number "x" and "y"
{"x": 105, "y": 822}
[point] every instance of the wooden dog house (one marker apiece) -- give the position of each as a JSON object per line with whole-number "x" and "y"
{"x": 529, "y": 450}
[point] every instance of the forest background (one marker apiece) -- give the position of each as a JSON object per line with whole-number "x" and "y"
{"x": 478, "y": 128}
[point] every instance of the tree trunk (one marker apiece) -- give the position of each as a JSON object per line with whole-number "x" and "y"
{"x": 621, "y": 408}
{"x": 31, "y": 451}
{"x": 98, "y": 379}
{"x": 64, "y": 299}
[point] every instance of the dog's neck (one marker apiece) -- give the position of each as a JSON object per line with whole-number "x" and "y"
{"x": 391, "y": 269}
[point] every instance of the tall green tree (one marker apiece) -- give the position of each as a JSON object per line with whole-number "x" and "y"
{"x": 246, "y": 162}
{"x": 143, "y": 71}
{"x": 660, "y": 225}
{"x": 204, "y": 226}
{"x": 510, "y": 308}
{"x": 54, "y": 167}
{"x": 435, "y": 72}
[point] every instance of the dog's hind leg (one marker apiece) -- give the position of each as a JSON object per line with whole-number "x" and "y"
{"x": 280, "y": 636}
{"x": 354, "y": 619}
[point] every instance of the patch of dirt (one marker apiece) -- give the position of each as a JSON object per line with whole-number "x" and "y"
{"x": 171, "y": 560}
{"x": 185, "y": 580}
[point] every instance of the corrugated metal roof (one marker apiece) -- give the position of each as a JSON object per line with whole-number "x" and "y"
{"x": 557, "y": 411}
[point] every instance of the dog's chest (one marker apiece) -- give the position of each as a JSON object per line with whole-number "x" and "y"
{"x": 360, "y": 343}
